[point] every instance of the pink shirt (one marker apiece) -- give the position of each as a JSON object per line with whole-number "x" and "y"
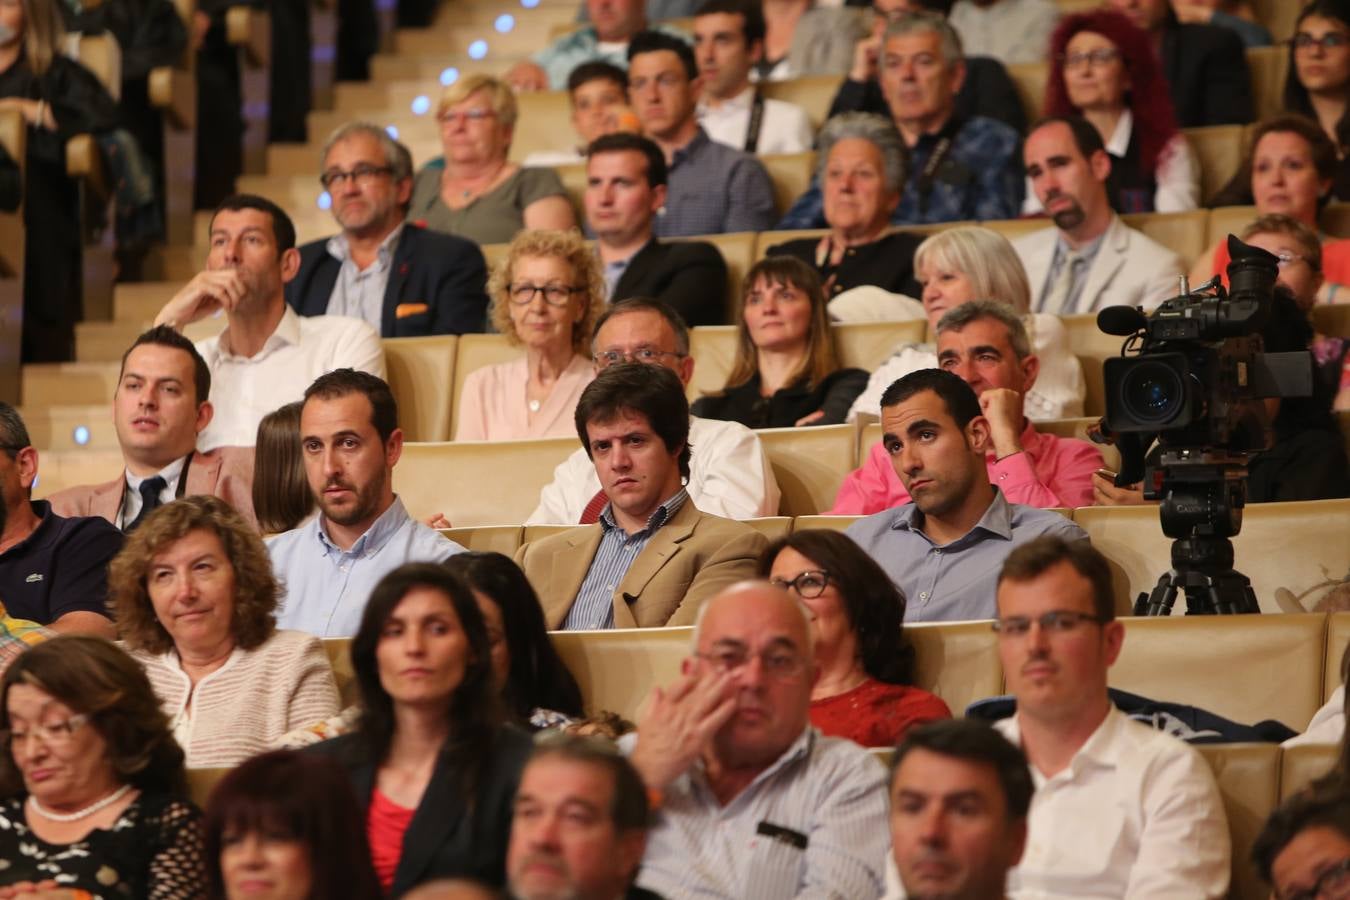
{"x": 492, "y": 404}
{"x": 1050, "y": 471}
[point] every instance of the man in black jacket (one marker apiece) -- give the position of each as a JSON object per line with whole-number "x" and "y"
{"x": 402, "y": 279}
{"x": 625, "y": 191}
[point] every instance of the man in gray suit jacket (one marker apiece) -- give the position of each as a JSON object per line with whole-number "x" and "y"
{"x": 1090, "y": 259}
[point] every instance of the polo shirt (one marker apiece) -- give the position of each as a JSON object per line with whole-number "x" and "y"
{"x": 62, "y": 567}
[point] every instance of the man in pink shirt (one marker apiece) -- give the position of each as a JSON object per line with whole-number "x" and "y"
{"x": 986, "y": 345}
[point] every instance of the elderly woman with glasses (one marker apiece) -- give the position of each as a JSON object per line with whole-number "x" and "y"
{"x": 474, "y": 191}
{"x": 546, "y": 295}
{"x": 865, "y": 691}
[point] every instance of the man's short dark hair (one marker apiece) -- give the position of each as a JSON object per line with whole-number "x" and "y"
{"x": 941, "y": 7}
{"x": 960, "y": 398}
{"x": 342, "y": 382}
{"x": 283, "y": 229}
{"x": 751, "y": 13}
{"x": 653, "y": 41}
{"x": 164, "y": 336}
{"x": 13, "y": 433}
{"x": 624, "y": 142}
{"x": 1325, "y": 808}
{"x": 974, "y": 740}
{"x": 1085, "y": 135}
{"x": 630, "y": 809}
{"x": 1036, "y": 557}
{"x": 654, "y": 304}
{"x": 596, "y": 70}
{"x": 653, "y": 391}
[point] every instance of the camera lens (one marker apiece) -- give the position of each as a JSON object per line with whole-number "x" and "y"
{"x": 1152, "y": 393}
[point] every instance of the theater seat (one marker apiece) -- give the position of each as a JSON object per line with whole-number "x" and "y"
{"x": 813, "y": 93}
{"x": 791, "y": 176}
{"x": 713, "y": 348}
{"x": 1248, "y": 776}
{"x": 830, "y": 523}
{"x": 486, "y": 538}
{"x": 450, "y": 478}
{"x": 1332, "y": 319}
{"x": 574, "y": 182}
{"x": 421, "y": 373}
{"x": 1268, "y": 67}
{"x": 475, "y": 351}
{"x": 738, "y": 252}
{"x": 1226, "y": 220}
{"x": 1218, "y": 149}
{"x": 544, "y": 123}
{"x": 1092, "y": 347}
{"x": 617, "y": 669}
{"x": 339, "y": 652}
{"x": 1182, "y": 232}
{"x": 1078, "y": 428}
{"x": 1012, "y": 229}
{"x": 809, "y": 464}
{"x": 201, "y": 782}
{"x": 866, "y": 345}
{"x": 1030, "y": 80}
{"x": 769, "y": 239}
{"x": 958, "y": 661}
{"x": 772, "y": 527}
{"x": 1335, "y": 220}
{"x": 1301, "y": 766}
{"x": 1338, "y": 638}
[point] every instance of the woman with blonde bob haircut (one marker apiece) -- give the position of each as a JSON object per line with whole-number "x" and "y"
{"x": 786, "y": 371}
{"x": 546, "y": 295}
{"x": 474, "y": 191}
{"x": 195, "y": 602}
{"x": 971, "y": 262}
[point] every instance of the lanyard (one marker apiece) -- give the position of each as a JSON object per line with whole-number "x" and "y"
{"x": 756, "y": 121}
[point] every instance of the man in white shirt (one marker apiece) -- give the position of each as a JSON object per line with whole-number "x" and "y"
{"x": 729, "y": 477}
{"x": 728, "y": 41}
{"x": 267, "y": 354}
{"x": 1120, "y": 810}
{"x": 1090, "y": 259}
{"x": 1011, "y": 31}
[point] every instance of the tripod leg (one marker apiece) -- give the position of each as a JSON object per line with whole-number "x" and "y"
{"x": 1162, "y": 598}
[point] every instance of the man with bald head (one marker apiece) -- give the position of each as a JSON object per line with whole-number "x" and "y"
{"x": 728, "y": 751}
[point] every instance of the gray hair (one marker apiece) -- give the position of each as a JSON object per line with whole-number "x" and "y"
{"x": 396, "y": 156}
{"x": 985, "y": 257}
{"x": 963, "y": 315}
{"x": 880, "y": 131}
{"x": 13, "y": 433}
{"x": 952, "y": 52}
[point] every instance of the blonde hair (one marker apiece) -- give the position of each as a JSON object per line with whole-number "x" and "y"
{"x": 43, "y": 33}
{"x": 821, "y": 359}
{"x": 983, "y": 256}
{"x": 500, "y": 97}
{"x": 571, "y": 248}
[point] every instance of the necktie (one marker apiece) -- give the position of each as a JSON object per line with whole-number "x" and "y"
{"x": 1057, "y": 298}
{"x": 150, "y": 502}
{"x": 591, "y": 514}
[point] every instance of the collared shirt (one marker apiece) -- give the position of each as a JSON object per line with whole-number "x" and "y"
{"x": 1011, "y": 31}
{"x": 783, "y": 127}
{"x": 981, "y": 178}
{"x": 955, "y": 581}
{"x": 713, "y": 189}
{"x": 594, "y": 606}
{"x": 827, "y": 798}
{"x": 1087, "y": 254}
{"x": 327, "y": 587}
{"x": 131, "y": 497}
{"x": 360, "y": 293}
{"x": 62, "y": 567}
{"x": 246, "y": 388}
{"x": 613, "y": 271}
{"x": 1135, "y": 814}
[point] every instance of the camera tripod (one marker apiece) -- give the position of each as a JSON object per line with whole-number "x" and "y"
{"x": 1202, "y": 568}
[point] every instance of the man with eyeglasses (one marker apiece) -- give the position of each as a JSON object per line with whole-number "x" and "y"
{"x": 1120, "y": 810}
{"x": 729, "y": 476}
{"x": 625, "y": 189}
{"x": 402, "y": 279}
{"x": 751, "y": 800}
{"x": 653, "y": 556}
{"x": 1303, "y": 851}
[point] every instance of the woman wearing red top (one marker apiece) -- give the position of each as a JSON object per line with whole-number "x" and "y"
{"x": 433, "y": 762}
{"x": 864, "y": 691}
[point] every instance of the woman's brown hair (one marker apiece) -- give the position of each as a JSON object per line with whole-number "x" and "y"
{"x": 821, "y": 358}
{"x": 281, "y": 495}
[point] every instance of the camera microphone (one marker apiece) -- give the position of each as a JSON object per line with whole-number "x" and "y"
{"x": 1121, "y": 321}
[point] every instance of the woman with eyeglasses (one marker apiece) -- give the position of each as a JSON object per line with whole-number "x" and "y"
{"x": 545, "y": 297}
{"x": 1317, "y": 84}
{"x": 1104, "y": 69}
{"x": 474, "y": 191}
{"x": 97, "y": 793}
{"x": 864, "y": 692}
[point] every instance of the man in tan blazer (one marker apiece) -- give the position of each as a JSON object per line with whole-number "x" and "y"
{"x": 160, "y": 406}
{"x": 653, "y": 557}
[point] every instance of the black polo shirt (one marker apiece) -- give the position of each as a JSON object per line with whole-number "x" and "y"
{"x": 62, "y": 567}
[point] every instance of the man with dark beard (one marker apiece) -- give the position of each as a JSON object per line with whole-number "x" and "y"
{"x": 1090, "y": 259}
{"x": 350, "y": 440}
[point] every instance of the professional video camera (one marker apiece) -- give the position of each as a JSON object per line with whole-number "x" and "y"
{"x": 1191, "y": 377}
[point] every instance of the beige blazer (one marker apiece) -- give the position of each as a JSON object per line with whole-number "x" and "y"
{"x": 690, "y": 558}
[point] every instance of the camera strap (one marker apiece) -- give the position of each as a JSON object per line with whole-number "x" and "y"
{"x": 929, "y": 172}
{"x": 756, "y": 122}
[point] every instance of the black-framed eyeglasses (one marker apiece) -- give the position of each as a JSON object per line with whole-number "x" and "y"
{"x": 1102, "y": 56}
{"x": 606, "y": 358}
{"x": 1056, "y": 621}
{"x": 1329, "y": 41}
{"x": 775, "y": 663}
{"x": 808, "y": 585}
{"x": 362, "y": 173}
{"x": 1333, "y": 884}
{"x": 522, "y": 293}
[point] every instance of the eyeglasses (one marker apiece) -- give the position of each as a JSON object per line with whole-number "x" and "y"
{"x": 775, "y": 663}
{"x": 363, "y": 173}
{"x": 1333, "y": 884}
{"x": 53, "y": 734}
{"x": 1102, "y": 56}
{"x": 1329, "y": 41}
{"x": 665, "y": 80}
{"x": 1056, "y": 621}
{"x": 650, "y": 355}
{"x": 522, "y": 293}
{"x": 466, "y": 115}
{"x": 1285, "y": 258}
{"x": 808, "y": 585}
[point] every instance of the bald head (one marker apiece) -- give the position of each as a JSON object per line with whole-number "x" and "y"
{"x": 452, "y": 889}
{"x": 755, "y": 593}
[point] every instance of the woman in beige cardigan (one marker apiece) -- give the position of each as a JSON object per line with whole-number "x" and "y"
{"x": 195, "y": 601}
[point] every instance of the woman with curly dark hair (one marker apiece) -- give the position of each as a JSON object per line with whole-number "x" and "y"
{"x": 1104, "y": 69}
{"x": 864, "y": 692}
{"x": 195, "y": 601}
{"x": 94, "y": 779}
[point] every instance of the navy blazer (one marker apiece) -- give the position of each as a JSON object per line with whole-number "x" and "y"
{"x": 437, "y": 284}
{"x": 689, "y": 275}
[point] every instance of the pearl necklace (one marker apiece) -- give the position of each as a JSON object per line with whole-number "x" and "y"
{"x": 534, "y": 405}
{"x": 81, "y": 813}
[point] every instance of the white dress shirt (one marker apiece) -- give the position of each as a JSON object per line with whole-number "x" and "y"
{"x": 729, "y": 476}
{"x": 785, "y": 127}
{"x": 1011, "y": 31}
{"x": 246, "y": 388}
{"x": 131, "y": 496}
{"x": 1327, "y": 725}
